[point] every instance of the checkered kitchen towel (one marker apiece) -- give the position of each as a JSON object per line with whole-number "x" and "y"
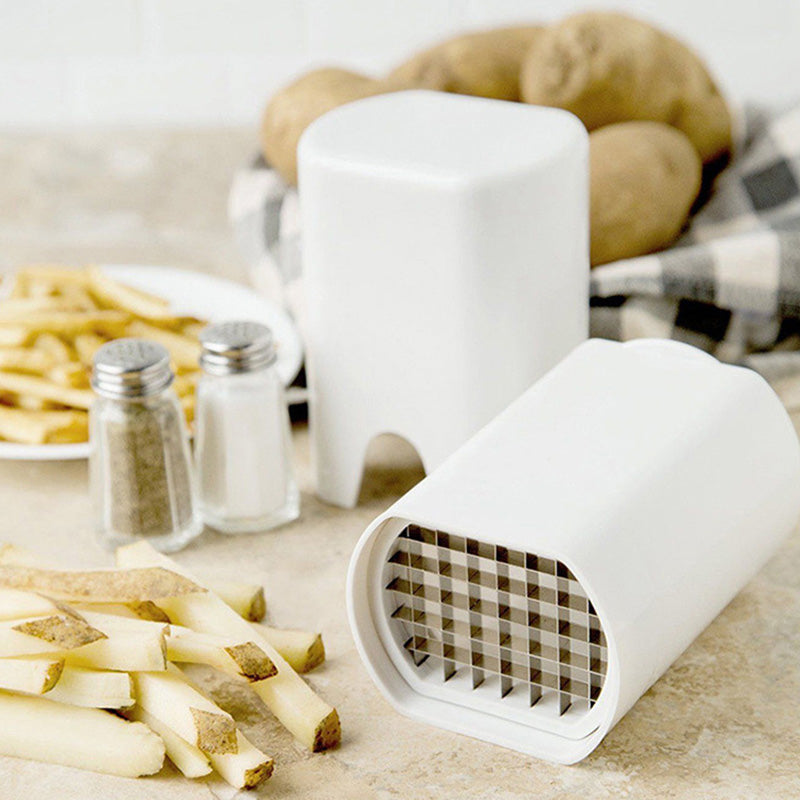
{"x": 730, "y": 285}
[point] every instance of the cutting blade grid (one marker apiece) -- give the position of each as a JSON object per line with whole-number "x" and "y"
{"x": 514, "y": 623}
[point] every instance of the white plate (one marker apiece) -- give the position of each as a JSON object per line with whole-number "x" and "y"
{"x": 192, "y": 294}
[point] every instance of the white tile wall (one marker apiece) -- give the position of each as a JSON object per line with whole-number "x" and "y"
{"x": 156, "y": 62}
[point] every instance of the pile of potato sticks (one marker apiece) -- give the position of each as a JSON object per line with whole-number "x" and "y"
{"x": 52, "y": 321}
{"x": 90, "y": 672}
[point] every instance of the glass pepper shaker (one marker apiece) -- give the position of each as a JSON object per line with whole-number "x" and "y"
{"x": 243, "y": 447}
{"x": 139, "y": 466}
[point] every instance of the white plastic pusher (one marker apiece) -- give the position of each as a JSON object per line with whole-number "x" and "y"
{"x": 445, "y": 262}
{"x": 532, "y": 588}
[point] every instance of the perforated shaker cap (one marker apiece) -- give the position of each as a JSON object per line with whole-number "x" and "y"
{"x": 239, "y": 346}
{"x": 131, "y": 368}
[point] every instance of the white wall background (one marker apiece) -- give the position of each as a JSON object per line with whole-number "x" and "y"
{"x": 214, "y": 62}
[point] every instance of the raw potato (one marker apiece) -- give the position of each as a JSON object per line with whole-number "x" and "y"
{"x": 308, "y": 717}
{"x": 100, "y": 586}
{"x": 296, "y": 106}
{"x": 124, "y": 652}
{"x": 92, "y": 688}
{"x": 87, "y": 738}
{"x": 644, "y": 178}
{"x": 485, "y": 64}
{"x": 168, "y": 697}
{"x": 30, "y": 675}
{"x": 48, "y": 635}
{"x": 303, "y": 650}
{"x": 608, "y": 67}
{"x": 246, "y": 599}
{"x": 190, "y": 760}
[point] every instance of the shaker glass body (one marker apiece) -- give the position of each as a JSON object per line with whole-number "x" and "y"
{"x": 140, "y": 472}
{"x": 243, "y": 452}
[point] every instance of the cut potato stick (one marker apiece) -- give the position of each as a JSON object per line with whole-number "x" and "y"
{"x": 69, "y": 323}
{"x": 112, "y": 294}
{"x": 30, "y": 675}
{"x": 53, "y": 346}
{"x": 43, "y": 730}
{"x": 15, "y": 604}
{"x": 44, "y": 389}
{"x": 245, "y": 769}
{"x": 143, "y": 609}
{"x": 128, "y": 623}
{"x": 91, "y": 688}
{"x": 20, "y": 308}
{"x": 241, "y": 659}
{"x": 303, "y": 650}
{"x": 168, "y": 697}
{"x": 71, "y": 373}
{"x": 86, "y": 345}
{"x": 122, "y": 651}
{"x": 39, "y": 635}
{"x": 43, "y": 427}
{"x": 309, "y": 718}
{"x": 183, "y": 350}
{"x": 246, "y": 599}
{"x": 13, "y": 336}
{"x": 190, "y": 760}
{"x": 102, "y": 586}
{"x": 53, "y": 274}
{"x": 26, "y": 359}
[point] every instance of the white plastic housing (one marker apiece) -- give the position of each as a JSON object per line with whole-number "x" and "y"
{"x": 657, "y": 478}
{"x": 445, "y": 258}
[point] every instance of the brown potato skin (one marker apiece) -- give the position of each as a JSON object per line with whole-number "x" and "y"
{"x": 297, "y": 105}
{"x": 644, "y": 178}
{"x": 608, "y": 67}
{"x": 484, "y": 64}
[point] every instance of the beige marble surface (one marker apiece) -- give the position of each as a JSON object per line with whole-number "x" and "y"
{"x": 724, "y": 722}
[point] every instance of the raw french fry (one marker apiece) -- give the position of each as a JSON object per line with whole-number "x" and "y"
{"x": 243, "y": 659}
{"x": 112, "y": 623}
{"x": 30, "y": 675}
{"x": 18, "y": 286}
{"x": 142, "y": 609}
{"x": 183, "y": 350}
{"x": 303, "y": 650}
{"x": 41, "y": 427}
{"x": 245, "y": 769}
{"x": 70, "y": 373}
{"x": 123, "y": 652}
{"x": 45, "y": 390}
{"x": 246, "y": 599}
{"x": 53, "y": 346}
{"x": 91, "y": 688}
{"x": 168, "y": 697}
{"x": 51, "y": 634}
{"x": 77, "y": 296}
{"x": 309, "y": 718}
{"x": 69, "y": 323}
{"x": 26, "y": 359}
{"x": 101, "y": 586}
{"x": 53, "y": 275}
{"x": 86, "y": 345}
{"x": 190, "y": 760}
{"x": 13, "y": 336}
{"x": 15, "y": 604}
{"x": 19, "y": 308}
{"x": 114, "y": 294}
{"x": 43, "y": 730}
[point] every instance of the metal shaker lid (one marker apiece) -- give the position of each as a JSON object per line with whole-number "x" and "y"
{"x": 239, "y": 346}
{"x": 131, "y": 368}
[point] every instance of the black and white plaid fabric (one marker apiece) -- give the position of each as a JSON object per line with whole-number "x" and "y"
{"x": 730, "y": 285}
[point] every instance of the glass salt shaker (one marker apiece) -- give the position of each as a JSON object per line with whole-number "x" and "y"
{"x": 243, "y": 447}
{"x": 139, "y": 466}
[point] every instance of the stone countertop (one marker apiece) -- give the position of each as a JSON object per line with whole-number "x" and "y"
{"x": 723, "y": 722}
